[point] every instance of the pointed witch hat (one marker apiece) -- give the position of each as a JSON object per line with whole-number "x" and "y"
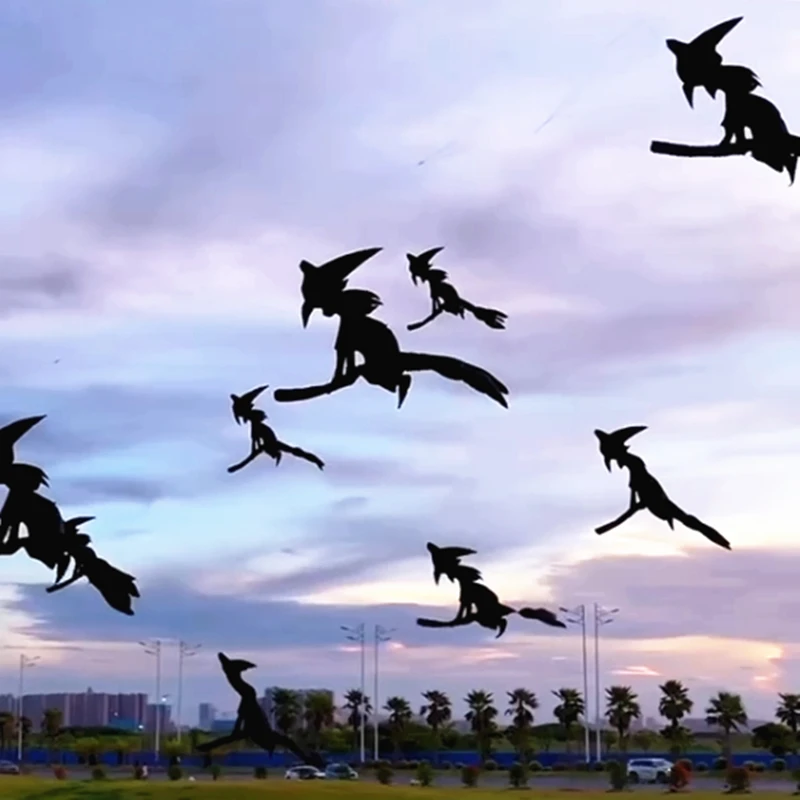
{"x": 612, "y": 445}
{"x": 700, "y": 56}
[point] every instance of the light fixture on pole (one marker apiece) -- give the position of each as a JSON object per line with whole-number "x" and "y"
{"x": 577, "y": 616}
{"x": 154, "y": 649}
{"x": 358, "y": 634}
{"x": 602, "y": 616}
{"x": 184, "y": 651}
{"x": 25, "y": 662}
{"x": 381, "y": 635}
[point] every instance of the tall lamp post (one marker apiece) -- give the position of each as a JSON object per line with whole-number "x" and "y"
{"x": 602, "y": 616}
{"x": 184, "y": 651}
{"x": 25, "y": 662}
{"x": 358, "y": 634}
{"x": 154, "y": 649}
{"x": 577, "y": 616}
{"x": 381, "y": 635}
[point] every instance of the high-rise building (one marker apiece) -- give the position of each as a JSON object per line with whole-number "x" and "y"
{"x": 165, "y": 712}
{"x": 207, "y": 713}
{"x": 127, "y": 711}
{"x": 8, "y": 702}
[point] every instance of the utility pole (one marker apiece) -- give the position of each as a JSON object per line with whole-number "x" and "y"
{"x": 601, "y": 617}
{"x": 358, "y": 634}
{"x": 184, "y": 651}
{"x": 381, "y": 635}
{"x": 24, "y": 663}
{"x": 154, "y": 649}
{"x": 577, "y": 616}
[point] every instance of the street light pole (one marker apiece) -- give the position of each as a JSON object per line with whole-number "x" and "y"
{"x": 24, "y": 663}
{"x": 601, "y": 617}
{"x": 358, "y": 634}
{"x": 154, "y": 649}
{"x": 184, "y": 651}
{"x": 381, "y": 635}
{"x": 577, "y": 616}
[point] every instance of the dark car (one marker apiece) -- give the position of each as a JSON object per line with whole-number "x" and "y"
{"x": 8, "y": 768}
{"x": 340, "y": 772}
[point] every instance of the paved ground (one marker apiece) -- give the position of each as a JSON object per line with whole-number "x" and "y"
{"x": 451, "y": 778}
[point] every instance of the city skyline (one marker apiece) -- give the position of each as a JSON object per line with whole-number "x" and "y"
{"x": 159, "y": 200}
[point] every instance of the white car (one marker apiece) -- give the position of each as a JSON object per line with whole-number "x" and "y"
{"x": 303, "y": 773}
{"x": 649, "y": 770}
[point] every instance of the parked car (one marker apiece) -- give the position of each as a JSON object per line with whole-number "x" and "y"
{"x": 649, "y": 770}
{"x": 303, "y": 773}
{"x": 341, "y": 772}
{"x": 8, "y": 768}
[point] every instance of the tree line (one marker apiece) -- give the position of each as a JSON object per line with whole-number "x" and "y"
{"x": 432, "y": 729}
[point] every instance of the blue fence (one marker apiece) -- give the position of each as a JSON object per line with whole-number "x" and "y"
{"x": 39, "y": 755}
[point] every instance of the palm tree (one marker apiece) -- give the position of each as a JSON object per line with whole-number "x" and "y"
{"x": 438, "y": 711}
{"x": 318, "y": 713}
{"x": 286, "y": 710}
{"x": 788, "y": 712}
{"x": 571, "y": 707}
{"x": 6, "y": 728}
{"x": 481, "y": 717}
{"x": 674, "y": 705}
{"x": 726, "y": 711}
{"x": 522, "y": 704}
{"x": 354, "y": 700}
{"x": 26, "y": 726}
{"x": 51, "y": 726}
{"x": 622, "y": 708}
{"x": 400, "y": 715}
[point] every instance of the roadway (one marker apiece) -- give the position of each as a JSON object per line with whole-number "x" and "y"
{"x": 499, "y": 779}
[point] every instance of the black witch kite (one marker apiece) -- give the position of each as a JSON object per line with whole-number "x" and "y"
{"x": 698, "y": 64}
{"x": 646, "y": 492}
{"x": 50, "y": 540}
{"x": 116, "y": 587}
{"x": 477, "y": 603}
{"x": 251, "y": 721}
{"x": 262, "y": 437}
{"x": 445, "y": 298}
{"x": 384, "y": 363}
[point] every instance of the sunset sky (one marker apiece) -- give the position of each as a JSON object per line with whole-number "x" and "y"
{"x": 165, "y": 168}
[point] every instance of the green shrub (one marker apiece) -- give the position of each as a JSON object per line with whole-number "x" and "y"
{"x": 702, "y": 767}
{"x": 560, "y": 766}
{"x": 98, "y": 773}
{"x": 534, "y": 766}
{"x": 216, "y": 771}
{"x": 260, "y": 773}
{"x": 425, "y": 773}
{"x": 720, "y": 764}
{"x": 446, "y": 765}
{"x": 617, "y": 776}
{"x": 384, "y": 773}
{"x": 412, "y": 764}
{"x": 174, "y": 772}
{"x": 490, "y": 765}
{"x": 750, "y": 766}
{"x": 758, "y": 767}
{"x": 518, "y": 775}
{"x": 738, "y": 779}
{"x": 599, "y": 766}
{"x": 469, "y": 775}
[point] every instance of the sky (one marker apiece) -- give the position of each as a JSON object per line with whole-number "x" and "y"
{"x": 167, "y": 166}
